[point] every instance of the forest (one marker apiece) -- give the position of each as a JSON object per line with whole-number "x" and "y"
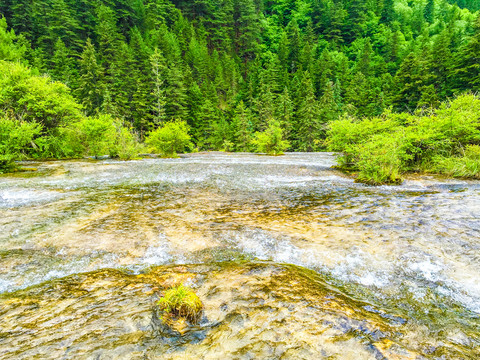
{"x": 121, "y": 77}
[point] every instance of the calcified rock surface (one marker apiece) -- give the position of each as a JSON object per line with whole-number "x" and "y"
{"x": 252, "y": 311}
{"x": 406, "y": 256}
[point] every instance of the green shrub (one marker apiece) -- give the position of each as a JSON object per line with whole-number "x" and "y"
{"x": 7, "y": 163}
{"x": 463, "y": 167}
{"x": 181, "y": 301}
{"x": 35, "y": 98}
{"x": 127, "y": 145}
{"x": 10, "y": 48}
{"x": 170, "y": 139}
{"x": 472, "y": 152}
{"x": 443, "y": 141}
{"x": 381, "y": 160}
{"x": 44, "y": 121}
{"x": 346, "y": 134}
{"x": 16, "y": 141}
{"x": 466, "y": 166}
{"x": 271, "y": 140}
{"x": 97, "y": 135}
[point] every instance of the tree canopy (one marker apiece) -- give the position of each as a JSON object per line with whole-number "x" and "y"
{"x": 230, "y": 67}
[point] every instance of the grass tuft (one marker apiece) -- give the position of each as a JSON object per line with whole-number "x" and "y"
{"x": 181, "y": 301}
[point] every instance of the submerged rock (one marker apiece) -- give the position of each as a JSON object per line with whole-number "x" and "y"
{"x": 252, "y": 310}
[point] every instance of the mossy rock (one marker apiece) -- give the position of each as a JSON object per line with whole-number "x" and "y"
{"x": 180, "y": 302}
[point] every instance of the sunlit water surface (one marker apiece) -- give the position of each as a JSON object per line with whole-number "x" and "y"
{"x": 408, "y": 255}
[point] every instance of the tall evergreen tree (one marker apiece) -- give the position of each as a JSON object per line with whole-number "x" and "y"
{"x": 468, "y": 62}
{"x": 388, "y": 11}
{"x": 242, "y": 127}
{"x": 308, "y": 128}
{"x": 62, "y": 66}
{"x": 158, "y": 92}
{"x": 90, "y": 85}
{"x": 412, "y": 77}
{"x": 246, "y": 29}
{"x": 175, "y": 94}
{"x": 429, "y": 11}
{"x": 284, "y": 112}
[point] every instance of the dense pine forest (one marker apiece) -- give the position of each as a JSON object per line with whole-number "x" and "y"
{"x": 231, "y": 69}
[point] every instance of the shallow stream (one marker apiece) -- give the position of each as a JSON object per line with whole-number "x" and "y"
{"x": 292, "y": 260}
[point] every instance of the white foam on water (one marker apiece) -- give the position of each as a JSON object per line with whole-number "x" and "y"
{"x": 5, "y": 285}
{"x": 157, "y": 255}
{"x": 21, "y": 197}
{"x": 428, "y": 269}
{"x": 162, "y": 254}
{"x": 357, "y": 267}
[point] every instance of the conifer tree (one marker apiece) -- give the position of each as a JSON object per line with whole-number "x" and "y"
{"x": 158, "y": 92}
{"x": 429, "y": 11}
{"x": 357, "y": 11}
{"x": 442, "y": 63}
{"x": 90, "y": 86}
{"x": 246, "y": 29}
{"x": 284, "y": 50}
{"x": 468, "y": 69}
{"x": 62, "y": 66}
{"x": 308, "y": 128}
{"x": 284, "y": 112}
{"x": 175, "y": 94}
{"x": 388, "y": 11}
{"x": 364, "y": 96}
{"x": 121, "y": 86}
{"x": 328, "y": 107}
{"x": 222, "y": 26}
{"x": 109, "y": 40}
{"x": 364, "y": 62}
{"x": 242, "y": 127}
{"x": 295, "y": 42}
{"x": 323, "y": 70}
{"x": 412, "y": 77}
{"x": 63, "y": 25}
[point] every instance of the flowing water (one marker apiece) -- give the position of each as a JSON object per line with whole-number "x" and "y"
{"x": 291, "y": 259}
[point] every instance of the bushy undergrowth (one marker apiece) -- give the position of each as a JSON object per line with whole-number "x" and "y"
{"x": 466, "y": 166}
{"x": 380, "y": 149}
{"x": 103, "y": 135}
{"x": 16, "y": 141}
{"x": 39, "y": 119}
{"x": 170, "y": 139}
{"x": 271, "y": 140}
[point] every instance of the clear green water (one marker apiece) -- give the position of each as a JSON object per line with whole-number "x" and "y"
{"x": 393, "y": 270}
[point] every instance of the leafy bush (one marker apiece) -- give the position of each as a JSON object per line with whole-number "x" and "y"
{"x": 170, "y": 139}
{"x": 271, "y": 140}
{"x": 36, "y": 98}
{"x": 181, "y": 301}
{"x": 97, "y": 135}
{"x": 444, "y": 141}
{"x": 466, "y": 166}
{"x": 101, "y": 135}
{"x": 16, "y": 140}
{"x": 346, "y": 134}
{"x": 381, "y": 160}
{"x": 44, "y": 121}
{"x": 10, "y": 50}
{"x": 128, "y": 146}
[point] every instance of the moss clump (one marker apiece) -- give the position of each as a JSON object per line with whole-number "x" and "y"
{"x": 181, "y": 301}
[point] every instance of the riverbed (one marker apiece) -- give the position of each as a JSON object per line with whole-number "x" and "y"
{"x": 292, "y": 259}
